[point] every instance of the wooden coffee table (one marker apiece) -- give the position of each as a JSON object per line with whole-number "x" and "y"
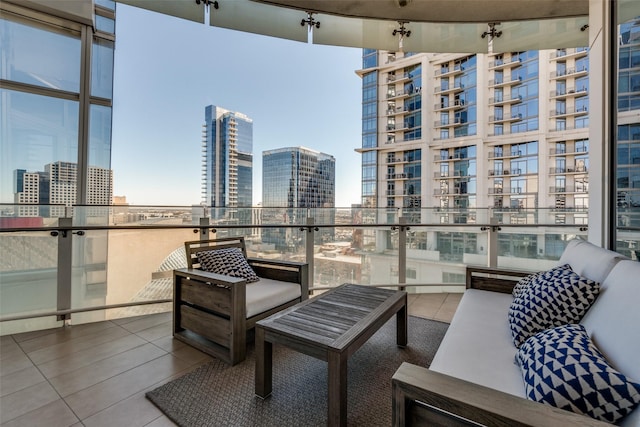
{"x": 330, "y": 327}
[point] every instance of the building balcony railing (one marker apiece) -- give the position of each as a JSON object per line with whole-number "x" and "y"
{"x": 568, "y": 170}
{"x": 505, "y": 82}
{"x": 584, "y": 188}
{"x": 80, "y": 264}
{"x": 568, "y": 53}
{"x": 570, "y": 72}
{"x": 570, "y": 112}
{"x": 501, "y": 64}
{"x": 455, "y": 105}
{"x": 450, "y": 89}
{"x": 570, "y": 92}
{"x": 503, "y": 101}
{"x": 504, "y": 154}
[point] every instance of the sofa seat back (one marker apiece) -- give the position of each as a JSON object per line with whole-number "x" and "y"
{"x": 589, "y": 260}
{"x": 613, "y": 321}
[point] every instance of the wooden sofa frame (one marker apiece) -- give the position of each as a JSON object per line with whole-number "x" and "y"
{"x": 427, "y": 398}
{"x": 209, "y": 310}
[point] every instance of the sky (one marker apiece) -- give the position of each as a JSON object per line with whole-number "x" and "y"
{"x": 167, "y": 70}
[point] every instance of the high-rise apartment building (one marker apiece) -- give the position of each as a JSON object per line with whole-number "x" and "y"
{"x": 449, "y": 133}
{"x": 506, "y": 130}
{"x": 227, "y": 165}
{"x": 297, "y": 177}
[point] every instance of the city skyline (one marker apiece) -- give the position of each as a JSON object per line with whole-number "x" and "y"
{"x": 297, "y": 94}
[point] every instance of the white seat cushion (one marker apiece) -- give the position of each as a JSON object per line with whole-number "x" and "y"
{"x": 478, "y": 346}
{"x": 267, "y": 294}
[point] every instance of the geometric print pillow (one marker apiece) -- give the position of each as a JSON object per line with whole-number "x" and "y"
{"x": 524, "y": 283}
{"x": 550, "y": 300}
{"x": 229, "y": 262}
{"x": 561, "y": 367}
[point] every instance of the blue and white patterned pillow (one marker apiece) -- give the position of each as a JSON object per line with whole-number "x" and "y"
{"x": 550, "y": 300}
{"x": 563, "y": 368}
{"x": 524, "y": 283}
{"x": 227, "y": 261}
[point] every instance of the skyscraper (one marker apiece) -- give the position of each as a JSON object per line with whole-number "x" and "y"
{"x": 227, "y": 166}
{"x": 297, "y": 177}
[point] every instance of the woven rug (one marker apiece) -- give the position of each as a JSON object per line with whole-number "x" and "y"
{"x": 220, "y": 395}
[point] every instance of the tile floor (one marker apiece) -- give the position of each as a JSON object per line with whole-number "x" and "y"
{"x": 97, "y": 374}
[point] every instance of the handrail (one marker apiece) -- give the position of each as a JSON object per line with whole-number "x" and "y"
{"x": 299, "y": 226}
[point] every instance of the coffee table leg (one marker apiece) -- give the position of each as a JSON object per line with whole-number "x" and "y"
{"x": 264, "y": 356}
{"x": 337, "y": 389}
{"x": 401, "y": 324}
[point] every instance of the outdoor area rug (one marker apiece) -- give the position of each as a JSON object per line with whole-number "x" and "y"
{"x": 217, "y": 394}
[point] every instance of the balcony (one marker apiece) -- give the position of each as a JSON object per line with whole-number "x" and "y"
{"x": 505, "y": 101}
{"x": 502, "y": 64}
{"x": 98, "y": 370}
{"x": 450, "y": 89}
{"x": 571, "y": 72}
{"x": 568, "y": 93}
{"x": 568, "y": 112}
{"x": 506, "y": 82}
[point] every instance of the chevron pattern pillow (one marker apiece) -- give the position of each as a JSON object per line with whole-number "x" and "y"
{"x": 229, "y": 262}
{"x": 550, "y": 300}
{"x": 563, "y": 368}
{"x": 524, "y": 283}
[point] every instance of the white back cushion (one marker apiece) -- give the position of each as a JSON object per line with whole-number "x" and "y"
{"x": 589, "y": 260}
{"x": 613, "y": 321}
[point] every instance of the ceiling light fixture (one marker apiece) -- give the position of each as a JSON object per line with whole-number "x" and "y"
{"x": 492, "y": 31}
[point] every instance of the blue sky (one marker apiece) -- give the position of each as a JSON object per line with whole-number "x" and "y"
{"x": 167, "y": 70}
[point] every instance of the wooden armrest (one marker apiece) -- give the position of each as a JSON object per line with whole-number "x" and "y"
{"x": 424, "y": 397}
{"x": 277, "y": 263}
{"x": 493, "y": 279}
{"x": 208, "y": 277}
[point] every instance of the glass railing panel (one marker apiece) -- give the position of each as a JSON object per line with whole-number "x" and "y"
{"x": 281, "y": 243}
{"x": 125, "y": 266}
{"x": 361, "y": 255}
{"x": 28, "y": 280}
{"x": 437, "y": 256}
{"x": 129, "y": 215}
{"x": 534, "y": 248}
{"x": 28, "y": 267}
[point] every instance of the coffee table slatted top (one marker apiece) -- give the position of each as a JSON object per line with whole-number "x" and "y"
{"x": 332, "y": 319}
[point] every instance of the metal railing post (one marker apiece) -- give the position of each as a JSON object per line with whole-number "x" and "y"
{"x": 204, "y": 231}
{"x": 65, "y": 253}
{"x": 492, "y": 245}
{"x": 309, "y": 249}
{"x": 402, "y": 252}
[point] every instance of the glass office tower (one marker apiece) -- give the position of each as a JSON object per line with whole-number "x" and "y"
{"x": 296, "y": 178}
{"x": 228, "y": 163}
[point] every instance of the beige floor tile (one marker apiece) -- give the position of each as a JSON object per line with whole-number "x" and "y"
{"x": 100, "y": 396}
{"x": 191, "y": 355}
{"x": 169, "y": 344}
{"x": 145, "y": 322}
{"x": 26, "y": 400}
{"x": 62, "y": 335}
{"x": 156, "y": 332}
{"x": 18, "y": 362}
{"x": 135, "y": 411}
{"x": 20, "y": 380}
{"x": 161, "y": 421}
{"x": 67, "y": 348}
{"x": 90, "y": 355}
{"x": 79, "y": 379}
{"x": 55, "y": 414}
